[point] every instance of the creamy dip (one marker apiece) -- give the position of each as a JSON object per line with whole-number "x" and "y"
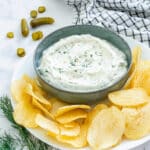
{"x": 82, "y": 63}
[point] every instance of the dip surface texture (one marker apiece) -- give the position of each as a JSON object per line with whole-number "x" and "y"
{"x": 82, "y": 63}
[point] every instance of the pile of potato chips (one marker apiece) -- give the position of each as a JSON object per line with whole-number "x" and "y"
{"x": 100, "y": 127}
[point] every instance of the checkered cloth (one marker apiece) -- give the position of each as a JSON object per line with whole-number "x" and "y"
{"x": 128, "y": 17}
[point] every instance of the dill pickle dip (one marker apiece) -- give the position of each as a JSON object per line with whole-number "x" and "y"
{"x": 82, "y": 63}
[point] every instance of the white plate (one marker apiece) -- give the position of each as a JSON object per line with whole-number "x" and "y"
{"x": 26, "y": 66}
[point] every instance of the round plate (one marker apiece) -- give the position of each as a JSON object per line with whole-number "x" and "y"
{"x": 26, "y": 67}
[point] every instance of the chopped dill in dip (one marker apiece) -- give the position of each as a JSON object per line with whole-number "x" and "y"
{"x": 82, "y": 63}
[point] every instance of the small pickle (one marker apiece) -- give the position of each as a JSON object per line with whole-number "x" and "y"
{"x": 24, "y": 28}
{"x": 41, "y": 21}
{"x": 33, "y": 14}
{"x": 41, "y": 9}
{"x": 10, "y": 35}
{"x": 37, "y": 35}
{"x": 21, "y": 52}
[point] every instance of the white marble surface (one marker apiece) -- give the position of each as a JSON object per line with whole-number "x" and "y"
{"x": 10, "y": 14}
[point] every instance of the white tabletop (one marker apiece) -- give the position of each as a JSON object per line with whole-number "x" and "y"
{"x": 10, "y": 14}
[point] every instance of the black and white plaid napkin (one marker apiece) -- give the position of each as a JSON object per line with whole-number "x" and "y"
{"x": 128, "y": 17}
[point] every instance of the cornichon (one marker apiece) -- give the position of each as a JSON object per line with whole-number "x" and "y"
{"x": 21, "y": 52}
{"x": 37, "y": 35}
{"x": 41, "y": 9}
{"x": 24, "y": 28}
{"x": 33, "y": 14}
{"x": 10, "y": 35}
{"x": 41, "y": 21}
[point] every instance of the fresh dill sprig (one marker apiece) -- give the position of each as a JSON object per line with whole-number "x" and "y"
{"x": 29, "y": 141}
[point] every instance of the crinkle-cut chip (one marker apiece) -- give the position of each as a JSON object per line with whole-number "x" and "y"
{"x": 138, "y": 125}
{"x": 17, "y": 91}
{"x": 136, "y": 56}
{"x": 70, "y": 132}
{"x": 56, "y": 103}
{"x": 142, "y": 76}
{"x": 34, "y": 83}
{"x": 71, "y": 115}
{"x": 24, "y": 114}
{"x": 106, "y": 129}
{"x": 36, "y": 95}
{"x": 68, "y": 108}
{"x": 49, "y": 125}
{"x": 77, "y": 142}
{"x": 42, "y": 108}
{"x": 71, "y": 124}
{"x": 129, "y": 97}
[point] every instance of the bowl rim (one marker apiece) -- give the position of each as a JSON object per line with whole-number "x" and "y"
{"x": 82, "y": 92}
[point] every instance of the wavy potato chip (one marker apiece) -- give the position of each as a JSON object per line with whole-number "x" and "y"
{"x": 136, "y": 56}
{"x": 18, "y": 92}
{"x": 49, "y": 125}
{"x": 36, "y": 95}
{"x": 25, "y": 114}
{"x": 78, "y": 141}
{"x": 68, "y": 108}
{"x": 40, "y": 106}
{"x": 72, "y": 115}
{"x": 142, "y": 76}
{"x": 137, "y": 123}
{"x": 106, "y": 128}
{"x": 129, "y": 97}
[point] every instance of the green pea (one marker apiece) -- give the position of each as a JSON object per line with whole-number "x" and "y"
{"x": 41, "y": 9}
{"x": 33, "y": 14}
{"x": 21, "y": 52}
{"x": 10, "y": 35}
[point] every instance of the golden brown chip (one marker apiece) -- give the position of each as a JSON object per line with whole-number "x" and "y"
{"x": 40, "y": 106}
{"x": 72, "y": 115}
{"x": 136, "y": 56}
{"x": 129, "y": 97}
{"x": 137, "y": 122}
{"x": 48, "y": 125}
{"x": 24, "y": 114}
{"x": 106, "y": 129}
{"x": 68, "y": 108}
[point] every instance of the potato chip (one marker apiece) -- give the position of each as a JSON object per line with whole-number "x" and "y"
{"x": 42, "y": 108}
{"x": 36, "y": 95}
{"x": 24, "y": 114}
{"x": 137, "y": 123}
{"x": 70, "y": 132}
{"x": 71, "y": 124}
{"x": 136, "y": 56}
{"x": 72, "y": 115}
{"x": 56, "y": 104}
{"x": 106, "y": 129}
{"x": 142, "y": 76}
{"x": 129, "y": 97}
{"x": 34, "y": 84}
{"x": 17, "y": 91}
{"x": 78, "y": 141}
{"x": 49, "y": 125}
{"x": 68, "y": 108}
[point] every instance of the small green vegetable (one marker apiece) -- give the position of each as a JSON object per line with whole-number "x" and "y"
{"x": 37, "y": 35}
{"x": 10, "y": 35}
{"x": 21, "y": 52}
{"x": 33, "y": 14}
{"x": 41, "y": 21}
{"x": 41, "y": 9}
{"x": 24, "y": 28}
